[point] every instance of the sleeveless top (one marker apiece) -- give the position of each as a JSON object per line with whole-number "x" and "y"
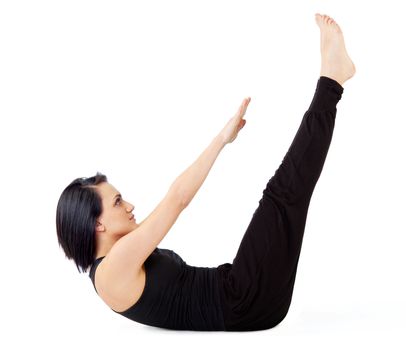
{"x": 176, "y": 295}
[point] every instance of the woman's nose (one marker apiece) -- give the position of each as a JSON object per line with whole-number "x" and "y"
{"x": 131, "y": 207}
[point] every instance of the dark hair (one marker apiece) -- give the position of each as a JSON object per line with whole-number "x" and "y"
{"x": 78, "y": 209}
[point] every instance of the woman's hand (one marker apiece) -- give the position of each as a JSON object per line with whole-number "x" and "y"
{"x": 236, "y": 123}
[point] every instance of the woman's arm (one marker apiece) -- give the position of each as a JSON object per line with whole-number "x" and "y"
{"x": 126, "y": 257}
{"x": 189, "y": 182}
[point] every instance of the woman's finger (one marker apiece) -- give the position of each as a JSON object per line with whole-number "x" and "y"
{"x": 246, "y": 103}
{"x": 243, "y": 106}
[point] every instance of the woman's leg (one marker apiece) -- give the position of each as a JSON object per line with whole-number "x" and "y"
{"x": 256, "y": 289}
{"x": 263, "y": 272}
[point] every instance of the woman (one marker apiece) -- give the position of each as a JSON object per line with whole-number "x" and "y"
{"x": 154, "y": 286}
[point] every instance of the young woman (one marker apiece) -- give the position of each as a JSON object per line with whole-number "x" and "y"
{"x": 154, "y": 286}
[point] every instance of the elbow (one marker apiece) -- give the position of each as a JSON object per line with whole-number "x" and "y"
{"x": 184, "y": 199}
{"x": 179, "y": 196}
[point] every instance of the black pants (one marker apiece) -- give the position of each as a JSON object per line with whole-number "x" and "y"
{"x": 256, "y": 289}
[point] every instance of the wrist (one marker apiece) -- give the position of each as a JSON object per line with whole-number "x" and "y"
{"x": 220, "y": 140}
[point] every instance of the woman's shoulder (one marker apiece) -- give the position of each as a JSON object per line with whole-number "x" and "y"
{"x": 118, "y": 291}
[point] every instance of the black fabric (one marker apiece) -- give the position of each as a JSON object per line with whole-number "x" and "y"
{"x": 256, "y": 289}
{"x": 176, "y": 295}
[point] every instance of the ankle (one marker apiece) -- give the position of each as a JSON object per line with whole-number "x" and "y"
{"x": 336, "y": 77}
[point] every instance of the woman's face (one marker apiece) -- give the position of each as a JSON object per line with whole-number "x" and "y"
{"x": 116, "y": 218}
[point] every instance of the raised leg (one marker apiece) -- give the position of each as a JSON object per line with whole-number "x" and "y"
{"x": 256, "y": 289}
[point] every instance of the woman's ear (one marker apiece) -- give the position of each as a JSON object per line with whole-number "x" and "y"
{"x": 99, "y": 227}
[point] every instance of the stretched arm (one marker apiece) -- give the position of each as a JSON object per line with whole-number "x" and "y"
{"x": 189, "y": 182}
{"x": 129, "y": 253}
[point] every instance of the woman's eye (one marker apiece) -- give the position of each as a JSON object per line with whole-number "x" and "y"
{"x": 118, "y": 200}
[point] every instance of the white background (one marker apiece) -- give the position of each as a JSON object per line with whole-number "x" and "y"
{"x": 137, "y": 90}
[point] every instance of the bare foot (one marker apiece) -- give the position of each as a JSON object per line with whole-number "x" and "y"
{"x": 335, "y": 62}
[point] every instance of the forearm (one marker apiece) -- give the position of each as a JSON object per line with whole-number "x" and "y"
{"x": 189, "y": 182}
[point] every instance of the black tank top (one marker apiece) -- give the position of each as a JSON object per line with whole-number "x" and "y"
{"x": 176, "y": 295}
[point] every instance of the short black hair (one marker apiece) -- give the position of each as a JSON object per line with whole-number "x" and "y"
{"x": 77, "y": 211}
